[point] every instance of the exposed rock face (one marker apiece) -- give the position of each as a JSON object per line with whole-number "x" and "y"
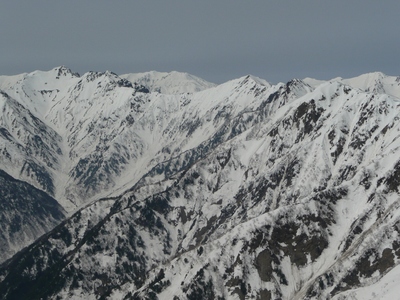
{"x": 248, "y": 191}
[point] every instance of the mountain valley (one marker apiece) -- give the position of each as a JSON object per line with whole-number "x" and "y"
{"x": 165, "y": 186}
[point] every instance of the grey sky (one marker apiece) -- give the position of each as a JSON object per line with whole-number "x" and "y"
{"x": 217, "y": 40}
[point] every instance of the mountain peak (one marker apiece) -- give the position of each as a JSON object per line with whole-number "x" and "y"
{"x": 257, "y": 80}
{"x": 238, "y": 191}
{"x": 247, "y": 80}
{"x": 376, "y": 82}
{"x": 169, "y": 82}
{"x": 64, "y": 71}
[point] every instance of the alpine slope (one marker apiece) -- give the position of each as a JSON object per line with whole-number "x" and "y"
{"x": 165, "y": 186}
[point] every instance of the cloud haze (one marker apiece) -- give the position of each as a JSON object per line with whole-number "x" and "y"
{"x": 216, "y": 40}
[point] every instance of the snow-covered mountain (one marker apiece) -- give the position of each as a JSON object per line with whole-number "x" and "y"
{"x": 377, "y": 83}
{"x": 26, "y": 214}
{"x": 169, "y": 83}
{"x": 244, "y": 190}
{"x": 95, "y": 127}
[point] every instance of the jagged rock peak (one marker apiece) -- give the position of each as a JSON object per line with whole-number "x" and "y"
{"x": 106, "y": 77}
{"x": 63, "y": 71}
{"x": 298, "y": 84}
{"x": 92, "y": 75}
{"x": 252, "y": 78}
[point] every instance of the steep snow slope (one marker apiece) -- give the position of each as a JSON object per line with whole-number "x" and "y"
{"x": 64, "y": 134}
{"x": 26, "y": 214}
{"x": 241, "y": 191}
{"x": 37, "y": 91}
{"x": 30, "y": 150}
{"x": 99, "y": 125}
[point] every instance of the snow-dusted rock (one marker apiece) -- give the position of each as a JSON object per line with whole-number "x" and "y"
{"x": 244, "y": 190}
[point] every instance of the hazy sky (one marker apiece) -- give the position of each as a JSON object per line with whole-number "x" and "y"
{"x": 217, "y": 40}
